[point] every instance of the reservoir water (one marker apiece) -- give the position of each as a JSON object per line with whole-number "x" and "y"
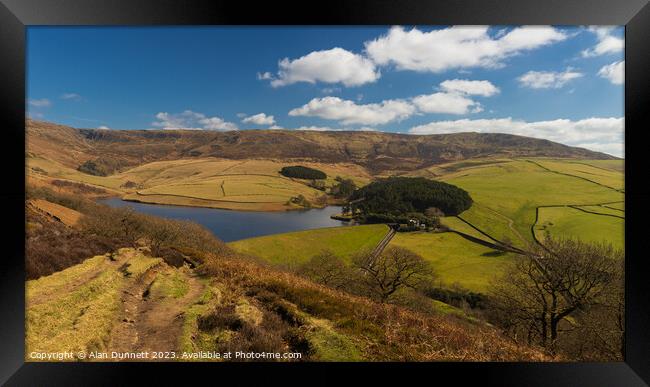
{"x": 231, "y": 225}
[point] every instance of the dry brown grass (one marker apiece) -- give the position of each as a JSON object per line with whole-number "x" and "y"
{"x": 68, "y": 216}
{"x": 382, "y": 332}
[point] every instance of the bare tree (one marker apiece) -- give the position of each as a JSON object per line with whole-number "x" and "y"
{"x": 122, "y": 223}
{"x": 547, "y": 290}
{"x": 161, "y": 233}
{"x": 394, "y": 269}
{"x": 327, "y": 269}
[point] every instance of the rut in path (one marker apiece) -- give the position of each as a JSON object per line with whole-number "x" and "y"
{"x": 149, "y": 322}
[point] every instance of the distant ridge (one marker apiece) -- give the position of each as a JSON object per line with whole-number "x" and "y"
{"x": 377, "y": 151}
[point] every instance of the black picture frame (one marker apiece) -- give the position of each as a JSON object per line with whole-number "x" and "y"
{"x": 15, "y": 15}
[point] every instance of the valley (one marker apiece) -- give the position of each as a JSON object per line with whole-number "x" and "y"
{"x": 190, "y": 298}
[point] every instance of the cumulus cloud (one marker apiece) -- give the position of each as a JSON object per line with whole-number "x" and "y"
{"x": 329, "y": 66}
{"x": 349, "y": 112}
{"x": 547, "y": 79}
{"x": 600, "y": 134}
{"x": 452, "y": 99}
{"x": 464, "y": 86}
{"x": 43, "y": 102}
{"x": 456, "y": 47}
{"x": 614, "y": 72}
{"x": 446, "y": 103}
{"x": 259, "y": 119}
{"x": 103, "y": 127}
{"x": 607, "y": 43}
{"x": 191, "y": 120}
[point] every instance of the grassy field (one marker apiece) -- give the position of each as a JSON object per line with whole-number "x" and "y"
{"x": 250, "y": 184}
{"x": 506, "y": 194}
{"x": 608, "y": 177}
{"x": 298, "y": 247}
{"x": 570, "y": 222}
{"x": 42, "y": 168}
{"x": 455, "y": 259}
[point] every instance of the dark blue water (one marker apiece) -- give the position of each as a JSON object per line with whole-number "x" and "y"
{"x": 234, "y": 225}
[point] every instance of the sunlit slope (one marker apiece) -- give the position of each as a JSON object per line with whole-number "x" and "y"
{"x": 76, "y": 309}
{"x": 569, "y": 222}
{"x": 456, "y": 260}
{"x": 232, "y": 184}
{"x": 42, "y": 168}
{"x": 508, "y": 192}
{"x": 209, "y": 182}
{"x": 298, "y": 247}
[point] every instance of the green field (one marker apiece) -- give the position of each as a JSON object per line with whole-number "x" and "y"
{"x": 455, "y": 259}
{"x": 298, "y": 247}
{"x": 506, "y": 194}
{"x": 569, "y": 222}
{"x": 608, "y": 177}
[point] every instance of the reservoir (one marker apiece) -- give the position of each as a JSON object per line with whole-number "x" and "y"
{"x": 229, "y": 225}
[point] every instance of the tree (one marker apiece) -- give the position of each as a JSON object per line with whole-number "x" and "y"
{"x": 546, "y": 291}
{"x": 121, "y": 223}
{"x": 161, "y": 233}
{"x": 302, "y": 172}
{"x": 400, "y": 195}
{"x": 327, "y": 269}
{"x": 394, "y": 269}
{"x": 344, "y": 187}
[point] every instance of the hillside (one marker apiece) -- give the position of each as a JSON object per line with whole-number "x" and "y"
{"x": 377, "y": 151}
{"x": 129, "y": 300}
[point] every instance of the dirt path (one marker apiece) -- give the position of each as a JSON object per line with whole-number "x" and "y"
{"x": 160, "y": 321}
{"x": 149, "y": 322}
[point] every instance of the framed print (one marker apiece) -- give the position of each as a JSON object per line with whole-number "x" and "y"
{"x": 376, "y": 187}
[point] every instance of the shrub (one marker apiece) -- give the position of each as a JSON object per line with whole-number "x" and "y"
{"x": 78, "y": 187}
{"x": 52, "y": 246}
{"x": 300, "y": 172}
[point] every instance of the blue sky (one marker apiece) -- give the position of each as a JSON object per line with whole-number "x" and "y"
{"x": 560, "y": 83}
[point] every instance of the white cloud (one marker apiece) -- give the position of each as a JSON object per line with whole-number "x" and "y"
{"x": 103, "y": 127}
{"x": 191, "y": 120}
{"x": 446, "y": 103}
{"x": 600, "y": 134}
{"x": 275, "y": 127}
{"x": 607, "y": 43}
{"x": 330, "y": 66}
{"x": 259, "y": 119}
{"x": 264, "y": 76}
{"x": 615, "y": 72}
{"x": 547, "y": 79}
{"x": 348, "y": 112}
{"x": 71, "y": 96}
{"x": 43, "y": 102}
{"x": 456, "y": 47}
{"x": 452, "y": 100}
{"x": 463, "y": 86}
